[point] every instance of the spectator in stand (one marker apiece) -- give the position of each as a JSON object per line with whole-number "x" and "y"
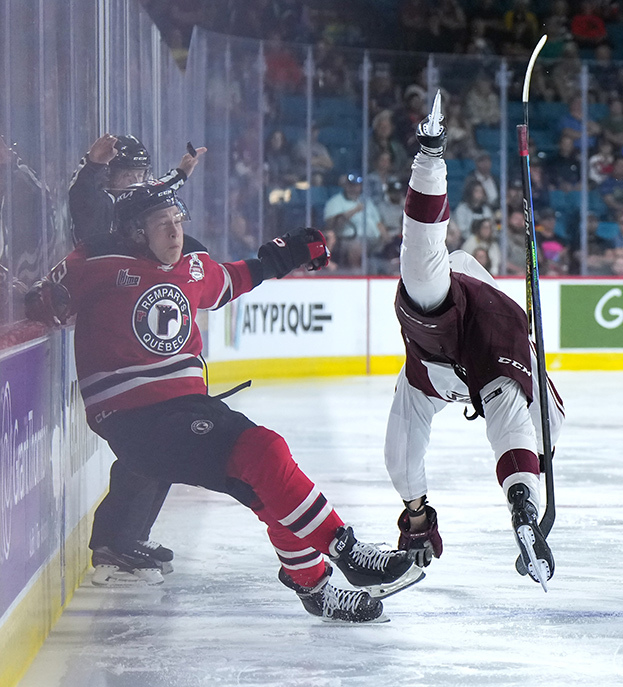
{"x": 321, "y": 160}
{"x": 283, "y": 71}
{"x": 384, "y": 93}
{"x": 563, "y": 169}
{"x": 482, "y": 256}
{"x": 383, "y": 139}
{"x": 551, "y": 249}
{"x": 412, "y": 18}
{"x": 516, "y": 244}
{"x": 540, "y": 185}
{"x": 587, "y": 27}
{"x": 600, "y": 255}
{"x": 279, "y": 161}
{"x": 378, "y": 179}
{"x": 611, "y": 190}
{"x": 601, "y": 163}
{"x": 514, "y": 195}
{"x": 445, "y": 30}
{"x": 522, "y": 28}
{"x": 483, "y": 237}
{"x": 612, "y": 124}
{"x": 482, "y": 103}
{"x": 557, "y": 28}
{"x": 461, "y": 142}
{"x": 565, "y": 74}
{"x": 407, "y": 117}
{"x": 354, "y": 221}
{"x": 479, "y": 44}
{"x": 482, "y": 174}
{"x": 454, "y": 238}
{"x": 605, "y": 74}
{"x": 571, "y": 123}
{"x": 490, "y": 13}
{"x": 473, "y": 206}
{"x": 391, "y": 211}
{"x": 333, "y": 77}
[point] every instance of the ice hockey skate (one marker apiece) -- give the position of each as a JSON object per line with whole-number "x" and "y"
{"x": 154, "y": 549}
{"x": 334, "y": 605}
{"x": 380, "y": 572}
{"x": 114, "y": 569}
{"x": 535, "y": 552}
{"x": 431, "y": 132}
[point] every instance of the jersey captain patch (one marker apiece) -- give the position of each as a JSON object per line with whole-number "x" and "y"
{"x": 162, "y": 319}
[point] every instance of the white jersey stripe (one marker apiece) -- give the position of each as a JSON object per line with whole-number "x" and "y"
{"x": 137, "y": 382}
{"x": 294, "y": 554}
{"x": 85, "y": 383}
{"x": 299, "y": 510}
{"x": 316, "y": 522}
{"x": 302, "y": 566}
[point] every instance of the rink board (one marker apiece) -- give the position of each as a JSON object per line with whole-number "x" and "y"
{"x": 327, "y": 327}
{"x": 53, "y": 470}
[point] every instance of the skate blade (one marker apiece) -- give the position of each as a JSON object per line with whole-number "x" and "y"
{"x": 380, "y": 591}
{"x": 166, "y": 567}
{"x": 381, "y": 619}
{"x": 537, "y": 567}
{"x": 111, "y": 576}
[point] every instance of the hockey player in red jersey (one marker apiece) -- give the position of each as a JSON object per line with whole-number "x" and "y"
{"x": 123, "y": 520}
{"x": 135, "y": 294}
{"x": 465, "y": 341}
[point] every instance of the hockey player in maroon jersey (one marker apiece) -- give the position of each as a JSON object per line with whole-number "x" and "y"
{"x": 135, "y": 294}
{"x": 465, "y": 341}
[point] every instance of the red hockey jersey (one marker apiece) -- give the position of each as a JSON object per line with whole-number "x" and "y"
{"x": 136, "y": 339}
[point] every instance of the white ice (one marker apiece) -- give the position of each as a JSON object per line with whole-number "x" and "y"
{"x": 223, "y": 618}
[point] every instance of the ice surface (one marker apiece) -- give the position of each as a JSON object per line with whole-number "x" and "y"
{"x": 222, "y": 618}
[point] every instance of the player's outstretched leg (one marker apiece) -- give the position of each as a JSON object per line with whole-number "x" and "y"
{"x": 535, "y": 552}
{"x": 336, "y": 605}
{"x": 113, "y": 568}
{"x": 381, "y": 572}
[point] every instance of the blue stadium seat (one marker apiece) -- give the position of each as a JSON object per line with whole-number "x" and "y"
{"x": 608, "y": 231}
{"x": 596, "y": 205}
{"x": 489, "y": 138}
{"x": 455, "y": 169}
{"x": 293, "y": 108}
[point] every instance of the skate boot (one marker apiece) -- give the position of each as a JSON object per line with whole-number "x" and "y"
{"x": 113, "y": 569}
{"x": 536, "y": 555}
{"x": 380, "y": 572}
{"x": 154, "y": 549}
{"x": 336, "y": 605}
{"x": 431, "y": 132}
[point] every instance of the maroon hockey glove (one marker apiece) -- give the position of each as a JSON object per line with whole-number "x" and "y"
{"x": 294, "y": 249}
{"x": 423, "y": 545}
{"x": 48, "y": 302}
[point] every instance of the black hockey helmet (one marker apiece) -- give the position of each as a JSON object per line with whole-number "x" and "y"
{"x": 139, "y": 200}
{"x": 131, "y": 153}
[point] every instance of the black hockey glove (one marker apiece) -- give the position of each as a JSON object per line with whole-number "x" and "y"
{"x": 48, "y": 302}
{"x": 294, "y": 249}
{"x": 433, "y": 146}
{"x": 422, "y": 545}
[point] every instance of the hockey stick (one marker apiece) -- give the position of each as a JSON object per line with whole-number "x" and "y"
{"x": 533, "y": 300}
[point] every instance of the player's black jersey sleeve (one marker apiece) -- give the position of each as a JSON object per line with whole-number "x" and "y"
{"x": 90, "y": 206}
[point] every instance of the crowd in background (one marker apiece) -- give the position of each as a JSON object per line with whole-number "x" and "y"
{"x": 363, "y": 213}
{"x": 357, "y": 202}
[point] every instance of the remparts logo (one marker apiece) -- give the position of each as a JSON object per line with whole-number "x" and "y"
{"x": 162, "y": 319}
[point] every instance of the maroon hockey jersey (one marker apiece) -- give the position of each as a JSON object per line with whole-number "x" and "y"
{"x": 136, "y": 339}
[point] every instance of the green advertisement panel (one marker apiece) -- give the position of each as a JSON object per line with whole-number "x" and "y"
{"x": 591, "y": 315}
